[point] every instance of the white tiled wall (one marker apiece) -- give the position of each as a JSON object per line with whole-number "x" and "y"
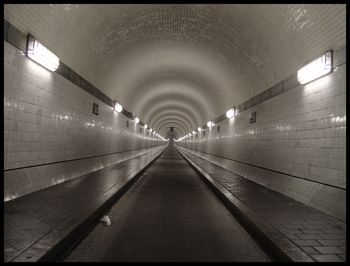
{"x": 301, "y": 133}
{"x": 48, "y": 119}
{"x": 29, "y": 179}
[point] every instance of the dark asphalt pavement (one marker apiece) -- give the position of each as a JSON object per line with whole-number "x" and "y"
{"x": 169, "y": 214}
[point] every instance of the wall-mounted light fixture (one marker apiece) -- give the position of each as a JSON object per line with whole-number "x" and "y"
{"x": 230, "y": 113}
{"x": 146, "y": 126}
{"x": 199, "y": 129}
{"x": 194, "y": 132}
{"x": 316, "y": 69}
{"x": 41, "y": 55}
{"x": 210, "y": 124}
{"x": 137, "y": 120}
{"x": 118, "y": 107}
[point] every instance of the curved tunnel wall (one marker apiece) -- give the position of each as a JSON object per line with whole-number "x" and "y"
{"x": 226, "y": 53}
{"x": 179, "y": 64}
{"x": 297, "y": 146}
{"x": 51, "y": 134}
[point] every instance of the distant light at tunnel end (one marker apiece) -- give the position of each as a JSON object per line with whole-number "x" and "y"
{"x": 316, "y": 69}
{"x": 41, "y": 55}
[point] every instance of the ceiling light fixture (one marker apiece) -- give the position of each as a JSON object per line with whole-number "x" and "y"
{"x": 210, "y": 124}
{"x": 41, "y": 55}
{"x": 230, "y": 113}
{"x": 316, "y": 69}
{"x": 118, "y": 107}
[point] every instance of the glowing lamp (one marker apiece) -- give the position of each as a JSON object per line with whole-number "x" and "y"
{"x": 230, "y": 113}
{"x": 118, "y": 107}
{"x": 210, "y": 124}
{"x": 316, "y": 69}
{"x": 41, "y": 55}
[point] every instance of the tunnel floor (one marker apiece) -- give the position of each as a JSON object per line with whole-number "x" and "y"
{"x": 169, "y": 214}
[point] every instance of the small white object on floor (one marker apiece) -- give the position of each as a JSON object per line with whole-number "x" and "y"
{"x": 106, "y": 220}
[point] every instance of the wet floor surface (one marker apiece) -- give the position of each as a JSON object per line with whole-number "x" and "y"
{"x": 169, "y": 215}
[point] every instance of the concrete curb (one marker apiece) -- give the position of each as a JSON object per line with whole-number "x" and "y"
{"x": 277, "y": 246}
{"x": 57, "y": 244}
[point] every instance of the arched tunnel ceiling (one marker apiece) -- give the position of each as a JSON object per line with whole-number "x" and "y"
{"x": 185, "y": 64}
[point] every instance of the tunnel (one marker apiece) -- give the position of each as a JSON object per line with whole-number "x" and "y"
{"x": 174, "y": 132}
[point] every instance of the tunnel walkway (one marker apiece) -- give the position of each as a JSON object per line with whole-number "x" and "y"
{"x": 169, "y": 214}
{"x": 319, "y": 235}
{"x": 36, "y": 223}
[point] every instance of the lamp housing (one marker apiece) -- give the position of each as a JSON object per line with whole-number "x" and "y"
{"x": 41, "y": 55}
